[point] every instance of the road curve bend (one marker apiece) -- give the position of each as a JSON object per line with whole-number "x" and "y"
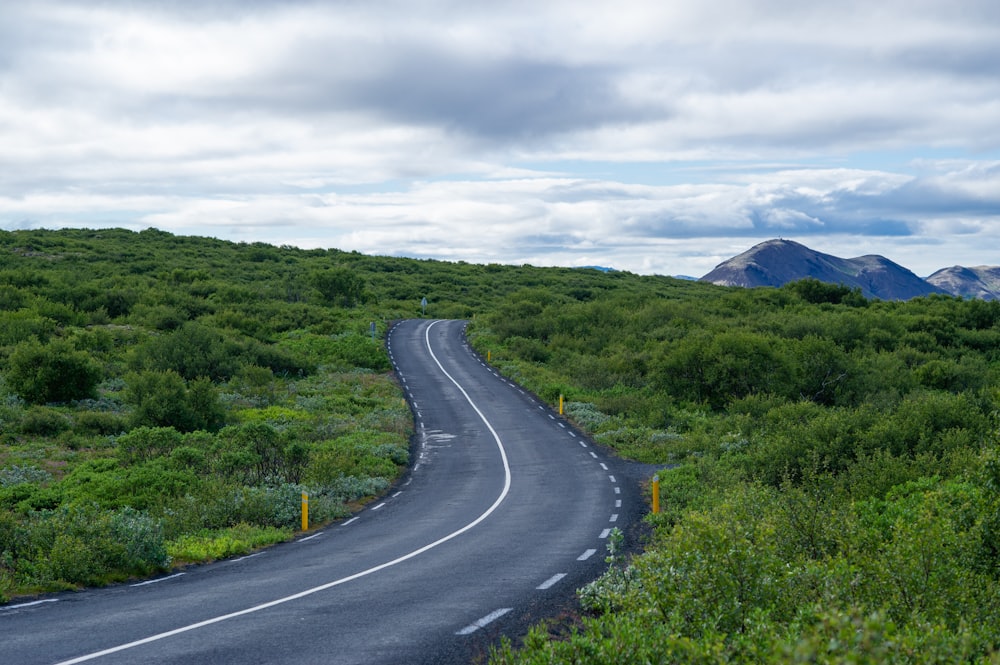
{"x": 504, "y": 512}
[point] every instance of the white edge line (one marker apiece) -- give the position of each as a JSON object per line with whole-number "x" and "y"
{"x": 248, "y": 556}
{"x": 157, "y": 580}
{"x": 34, "y": 602}
{"x": 302, "y": 540}
{"x": 350, "y": 578}
{"x": 485, "y": 621}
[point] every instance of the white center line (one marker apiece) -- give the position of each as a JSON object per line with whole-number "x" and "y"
{"x": 551, "y": 581}
{"x": 586, "y": 555}
{"x": 594, "y": 455}
{"x": 612, "y": 479}
{"x": 397, "y": 494}
{"x": 614, "y": 517}
{"x": 486, "y": 620}
{"x": 618, "y": 490}
{"x": 379, "y": 506}
{"x": 618, "y": 503}
{"x": 605, "y": 533}
{"x": 353, "y": 519}
{"x": 604, "y": 466}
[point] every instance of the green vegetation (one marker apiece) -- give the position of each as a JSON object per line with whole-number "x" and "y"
{"x": 834, "y": 488}
{"x": 167, "y": 399}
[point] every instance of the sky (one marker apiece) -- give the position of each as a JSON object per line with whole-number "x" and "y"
{"x": 658, "y": 137}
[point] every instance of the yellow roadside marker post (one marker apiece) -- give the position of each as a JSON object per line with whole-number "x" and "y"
{"x": 656, "y": 494}
{"x": 305, "y": 511}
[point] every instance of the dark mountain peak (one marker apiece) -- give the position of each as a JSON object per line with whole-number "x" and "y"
{"x": 779, "y": 261}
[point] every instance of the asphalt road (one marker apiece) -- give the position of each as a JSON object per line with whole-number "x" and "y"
{"x": 505, "y": 511}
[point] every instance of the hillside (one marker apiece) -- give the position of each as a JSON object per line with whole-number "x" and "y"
{"x": 982, "y": 282}
{"x": 833, "y": 488}
{"x": 778, "y": 262}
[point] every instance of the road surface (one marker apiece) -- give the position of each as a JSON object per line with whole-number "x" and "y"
{"x": 505, "y": 511}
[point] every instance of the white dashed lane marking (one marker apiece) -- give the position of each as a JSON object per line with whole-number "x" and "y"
{"x": 551, "y": 581}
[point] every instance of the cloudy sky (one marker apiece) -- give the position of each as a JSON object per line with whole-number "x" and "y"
{"x": 653, "y": 136}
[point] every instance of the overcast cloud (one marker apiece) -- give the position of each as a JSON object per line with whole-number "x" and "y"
{"x": 651, "y": 136}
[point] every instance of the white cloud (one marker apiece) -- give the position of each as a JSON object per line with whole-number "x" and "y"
{"x": 651, "y": 136}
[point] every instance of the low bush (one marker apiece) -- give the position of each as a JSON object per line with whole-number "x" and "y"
{"x": 86, "y": 545}
{"x": 206, "y": 545}
{"x": 44, "y": 421}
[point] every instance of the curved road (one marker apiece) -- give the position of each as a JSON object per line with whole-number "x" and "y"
{"x": 504, "y": 513}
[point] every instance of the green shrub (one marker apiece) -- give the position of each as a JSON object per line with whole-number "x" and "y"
{"x": 87, "y": 546}
{"x": 53, "y": 372}
{"x": 23, "y": 325}
{"x": 146, "y": 443}
{"x": 163, "y": 399}
{"x": 100, "y": 422}
{"x": 149, "y": 485}
{"x": 193, "y": 350}
{"x": 44, "y": 421}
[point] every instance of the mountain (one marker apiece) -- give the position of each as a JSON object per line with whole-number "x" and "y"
{"x": 777, "y": 262}
{"x": 981, "y": 282}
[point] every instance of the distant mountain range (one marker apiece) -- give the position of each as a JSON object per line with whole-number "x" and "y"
{"x": 777, "y": 262}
